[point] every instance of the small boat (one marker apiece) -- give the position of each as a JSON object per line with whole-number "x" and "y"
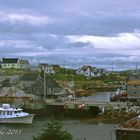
{"x": 120, "y": 94}
{"x": 11, "y": 114}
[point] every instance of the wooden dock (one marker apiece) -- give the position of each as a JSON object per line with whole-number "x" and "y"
{"x": 80, "y": 108}
{"x": 89, "y": 103}
{"x": 73, "y": 108}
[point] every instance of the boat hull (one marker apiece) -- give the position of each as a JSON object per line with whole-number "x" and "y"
{"x": 19, "y": 120}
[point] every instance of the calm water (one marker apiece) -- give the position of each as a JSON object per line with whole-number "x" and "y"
{"x": 78, "y": 129}
{"x": 99, "y": 96}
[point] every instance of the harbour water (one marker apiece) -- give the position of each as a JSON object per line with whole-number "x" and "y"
{"x": 79, "y": 130}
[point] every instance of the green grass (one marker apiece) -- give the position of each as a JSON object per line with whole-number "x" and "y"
{"x": 80, "y": 81}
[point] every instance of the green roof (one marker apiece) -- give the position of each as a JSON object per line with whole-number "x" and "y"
{"x": 9, "y": 60}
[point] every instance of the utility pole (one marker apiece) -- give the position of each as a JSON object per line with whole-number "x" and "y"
{"x": 122, "y": 66}
{"x": 44, "y": 85}
{"x": 112, "y": 66}
{"x": 136, "y": 67}
{"x": 73, "y": 88}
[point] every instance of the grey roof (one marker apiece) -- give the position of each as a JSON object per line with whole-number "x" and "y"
{"x": 42, "y": 64}
{"x": 29, "y": 77}
{"x": 9, "y": 60}
{"x": 51, "y": 83}
{"x": 24, "y": 62}
{"x": 90, "y": 67}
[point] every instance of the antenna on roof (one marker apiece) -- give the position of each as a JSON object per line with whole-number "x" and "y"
{"x": 112, "y": 68}
{"x": 122, "y": 66}
{"x": 136, "y": 67}
{"x": 44, "y": 85}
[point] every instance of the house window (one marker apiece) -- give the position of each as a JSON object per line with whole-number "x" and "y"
{"x": 15, "y": 112}
{"x": 8, "y": 112}
{"x": 11, "y": 112}
{"x": 4, "y": 113}
{"x": 51, "y": 90}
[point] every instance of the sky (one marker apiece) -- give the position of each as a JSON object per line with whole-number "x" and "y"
{"x": 72, "y": 32}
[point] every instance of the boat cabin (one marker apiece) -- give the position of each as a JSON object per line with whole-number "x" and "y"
{"x": 6, "y": 111}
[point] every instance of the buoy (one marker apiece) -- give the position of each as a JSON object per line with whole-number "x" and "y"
{"x": 81, "y": 106}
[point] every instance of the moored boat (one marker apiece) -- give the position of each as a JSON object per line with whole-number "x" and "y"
{"x": 119, "y": 94}
{"x": 11, "y": 114}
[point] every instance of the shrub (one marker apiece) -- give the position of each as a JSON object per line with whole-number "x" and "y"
{"x": 54, "y": 131}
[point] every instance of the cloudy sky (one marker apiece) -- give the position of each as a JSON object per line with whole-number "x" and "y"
{"x": 71, "y": 32}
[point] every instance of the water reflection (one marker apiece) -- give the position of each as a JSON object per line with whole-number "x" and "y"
{"x": 79, "y": 130}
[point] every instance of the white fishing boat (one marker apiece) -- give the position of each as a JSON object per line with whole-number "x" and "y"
{"x": 11, "y": 114}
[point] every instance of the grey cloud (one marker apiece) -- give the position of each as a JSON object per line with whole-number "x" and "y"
{"x": 78, "y": 4}
{"x": 100, "y": 61}
{"x": 75, "y": 17}
{"x": 102, "y": 27}
{"x": 81, "y": 45}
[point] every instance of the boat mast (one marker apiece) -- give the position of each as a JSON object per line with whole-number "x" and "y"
{"x": 73, "y": 87}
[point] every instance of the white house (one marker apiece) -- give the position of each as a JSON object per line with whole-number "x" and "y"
{"x": 48, "y": 68}
{"x": 42, "y": 66}
{"x": 10, "y": 63}
{"x": 89, "y": 71}
{"x": 24, "y": 64}
{"x": 15, "y": 63}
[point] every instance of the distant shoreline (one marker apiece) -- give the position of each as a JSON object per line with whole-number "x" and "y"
{"x": 90, "y": 91}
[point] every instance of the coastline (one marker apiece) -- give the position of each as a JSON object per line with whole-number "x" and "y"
{"x": 90, "y": 91}
{"x": 110, "y": 117}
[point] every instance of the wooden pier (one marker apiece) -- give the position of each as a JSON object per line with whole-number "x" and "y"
{"x": 72, "y": 108}
{"x": 89, "y": 108}
{"x": 72, "y": 104}
{"x": 52, "y": 102}
{"x": 124, "y": 99}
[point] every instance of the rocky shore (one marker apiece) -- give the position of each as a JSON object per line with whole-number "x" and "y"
{"x": 111, "y": 117}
